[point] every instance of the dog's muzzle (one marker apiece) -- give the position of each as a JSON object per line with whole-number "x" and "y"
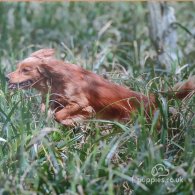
{"x": 24, "y": 84}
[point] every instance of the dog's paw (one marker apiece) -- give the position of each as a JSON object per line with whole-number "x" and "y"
{"x": 68, "y": 122}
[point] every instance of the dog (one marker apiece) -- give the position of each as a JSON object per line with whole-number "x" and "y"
{"x": 77, "y": 94}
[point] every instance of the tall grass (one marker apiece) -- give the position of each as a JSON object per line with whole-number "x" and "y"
{"x": 39, "y": 156}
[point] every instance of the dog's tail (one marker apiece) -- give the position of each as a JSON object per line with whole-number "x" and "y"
{"x": 183, "y": 89}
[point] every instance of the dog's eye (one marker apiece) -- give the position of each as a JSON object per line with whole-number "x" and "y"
{"x": 25, "y": 70}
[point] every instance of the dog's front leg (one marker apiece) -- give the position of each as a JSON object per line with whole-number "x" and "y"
{"x": 70, "y": 115}
{"x": 68, "y": 110}
{"x": 43, "y": 105}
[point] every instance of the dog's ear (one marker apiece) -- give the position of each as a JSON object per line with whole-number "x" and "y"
{"x": 49, "y": 71}
{"x": 43, "y": 53}
{"x": 44, "y": 71}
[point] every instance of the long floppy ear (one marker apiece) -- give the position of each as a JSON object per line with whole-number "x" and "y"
{"x": 49, "y": 71}
{"x": 43, "y": 53}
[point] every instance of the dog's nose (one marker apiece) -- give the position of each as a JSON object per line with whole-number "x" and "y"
{"x": 7, "y": 78}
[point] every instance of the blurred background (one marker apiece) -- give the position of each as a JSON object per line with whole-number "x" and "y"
{"x": 98, "y": 36}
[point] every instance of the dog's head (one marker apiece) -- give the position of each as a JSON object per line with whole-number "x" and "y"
{"x": 29, "y": 72}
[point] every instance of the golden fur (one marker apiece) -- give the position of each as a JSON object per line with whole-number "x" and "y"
{"x": 77, "y": 94}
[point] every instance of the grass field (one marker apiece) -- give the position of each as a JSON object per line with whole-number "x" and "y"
{"x": 40, "y": 156}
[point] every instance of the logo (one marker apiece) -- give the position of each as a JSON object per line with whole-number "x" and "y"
{"x": 160, "y": 174}
{"x": 159, "y": 170}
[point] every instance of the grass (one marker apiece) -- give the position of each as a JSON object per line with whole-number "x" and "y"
{"x": 39, "y": 156}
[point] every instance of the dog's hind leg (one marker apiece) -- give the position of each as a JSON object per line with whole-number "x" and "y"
{"x": 185, "y": 88}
